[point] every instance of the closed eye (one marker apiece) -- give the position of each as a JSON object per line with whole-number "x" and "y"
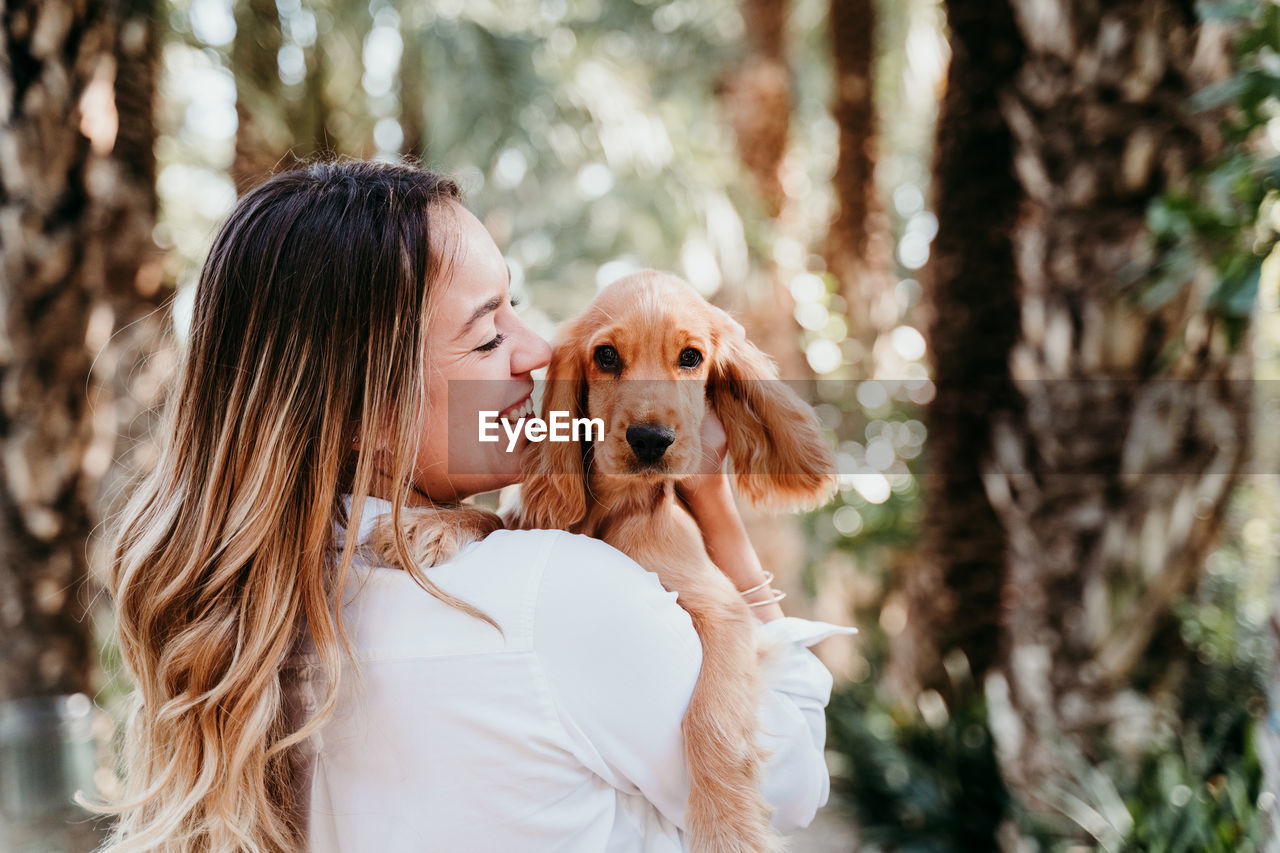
{"x": 499, "y": 338}
{"x": 493, "y": 344}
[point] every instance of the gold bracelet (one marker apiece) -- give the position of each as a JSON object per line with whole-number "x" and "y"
{"x": 768, "y": 579}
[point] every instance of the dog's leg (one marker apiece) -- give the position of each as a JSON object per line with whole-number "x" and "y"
{"x": 726, "y": 813}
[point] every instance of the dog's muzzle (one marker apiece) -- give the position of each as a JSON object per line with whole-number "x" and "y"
{"x": 649, "y": 441}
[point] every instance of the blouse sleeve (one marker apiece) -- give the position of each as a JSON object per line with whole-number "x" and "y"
{"x": 620, "y": 658}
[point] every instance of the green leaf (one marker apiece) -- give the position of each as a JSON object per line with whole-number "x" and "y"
{"x": 1236, "y": 294}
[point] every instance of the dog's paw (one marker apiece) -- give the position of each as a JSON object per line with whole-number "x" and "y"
{"x": 434, "y": 535}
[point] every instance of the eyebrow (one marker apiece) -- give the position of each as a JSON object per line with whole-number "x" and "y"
{"x": 487, "y": 308}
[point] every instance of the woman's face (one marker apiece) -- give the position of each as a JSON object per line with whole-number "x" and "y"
{"x": 479, "y": 358}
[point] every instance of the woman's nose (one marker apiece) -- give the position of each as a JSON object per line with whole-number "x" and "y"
{"x": 531, "y": 351}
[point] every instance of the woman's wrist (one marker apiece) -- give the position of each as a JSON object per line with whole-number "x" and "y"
{"x": 725, "y": 537}
{"x": 764, "y": 605}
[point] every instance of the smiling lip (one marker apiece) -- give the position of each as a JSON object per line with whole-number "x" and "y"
{"x": 519, "y": 411}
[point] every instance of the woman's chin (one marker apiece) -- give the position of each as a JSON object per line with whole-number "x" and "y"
{"x": 506, "y": 471}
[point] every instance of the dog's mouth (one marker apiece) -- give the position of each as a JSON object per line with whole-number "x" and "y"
{"x": 629, "y": 466}
{"x": 658, "y": 467}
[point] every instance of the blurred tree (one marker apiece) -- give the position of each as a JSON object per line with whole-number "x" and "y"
{"x": 757, "y": 97}
{"x": 275, "y": 118}
{"x": 77, "y": 207}
{"x": 858, "y": 244}
{"x": 1111, "y": 479}
{"x": 757, "y": 103}
{"x": 262, "y": 131}
{"x": 954, "y": 590}
{"x": 413, "y": 94}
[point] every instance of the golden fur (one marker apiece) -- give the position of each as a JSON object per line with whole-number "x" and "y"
{"x": 605, "y": 490}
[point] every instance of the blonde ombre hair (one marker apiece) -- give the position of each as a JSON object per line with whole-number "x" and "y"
{"x": 308, "y": 333}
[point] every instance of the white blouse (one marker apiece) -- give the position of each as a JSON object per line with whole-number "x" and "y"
{"x": 562, "y": 733}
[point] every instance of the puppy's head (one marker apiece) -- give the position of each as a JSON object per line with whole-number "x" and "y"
{"x": 645, "y": 351}
{"x": 646, "y": 359}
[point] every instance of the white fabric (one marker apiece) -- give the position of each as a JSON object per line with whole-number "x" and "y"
{"x": 560, "y": 734}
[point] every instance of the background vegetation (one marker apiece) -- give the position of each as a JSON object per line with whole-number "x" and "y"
{"x": 1020, "y": 252}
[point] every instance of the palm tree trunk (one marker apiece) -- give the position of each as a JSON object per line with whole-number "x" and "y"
{"x": 858, "y": 245}
{"x": 758, "y": 98}
{"x": 263, "y": 133}
{"x": 77, "y": 207}
{"x": 757, "y": 102}
{"x": 278, "y": 125}
{"x": 954, "y": 591}
{"x": 1112, "y": 479}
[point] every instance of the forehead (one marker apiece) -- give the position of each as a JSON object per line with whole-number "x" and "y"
{"x": 471, "y": 270}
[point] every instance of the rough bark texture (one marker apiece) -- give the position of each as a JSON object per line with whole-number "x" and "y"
{"x": 80, "y": 280}
{"x": 1112, "y": 480}
{"x": 76, "y": 213}
{"x": 757, "y": 98}
{"x": 954, "y": 593}
{"x": 858, "y": 244}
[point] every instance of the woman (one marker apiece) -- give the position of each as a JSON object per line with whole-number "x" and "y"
{"x": 297, "y": 692}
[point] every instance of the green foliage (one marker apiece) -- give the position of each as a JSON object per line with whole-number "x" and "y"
{"x": 1220, "y": 219}
{"x": 586, "y": 134}
{"x": 915, "y": 788}
{"x": 1199, "y": 799}
{"x": 1202, "y": 796}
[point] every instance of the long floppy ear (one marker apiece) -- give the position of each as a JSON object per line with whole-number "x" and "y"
{"x": 553, "y": 493}
{"x": 780, "y": 458}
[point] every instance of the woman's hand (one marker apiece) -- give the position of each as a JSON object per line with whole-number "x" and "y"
{"x": 710, "y": 501}
{"x": 708, "y": 483}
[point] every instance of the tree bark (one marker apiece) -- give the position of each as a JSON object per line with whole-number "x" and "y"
{"x": 758, "y": 99}
{"x": 954, "y": 591}
{"x": 757, "y": 103}
{"x": 1112, "y": 479}
{"x": 858, "y": 244}
{"x": 80, "y": 280}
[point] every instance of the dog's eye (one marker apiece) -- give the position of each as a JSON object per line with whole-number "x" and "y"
{"x": 690, "y": 357}
{"x": 607, "y": 358}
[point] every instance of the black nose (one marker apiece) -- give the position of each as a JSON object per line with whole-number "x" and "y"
{"x": 649, "y": 442}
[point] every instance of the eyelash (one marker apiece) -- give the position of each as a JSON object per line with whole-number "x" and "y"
{"x": 500, "y": 337}
{"x": 493, "y": 344}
